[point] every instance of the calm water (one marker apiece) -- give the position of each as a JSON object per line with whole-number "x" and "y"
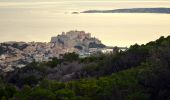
{"x": 38, "y": 21}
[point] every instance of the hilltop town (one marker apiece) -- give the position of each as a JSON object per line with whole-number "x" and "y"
{"x": 18, "y": 54}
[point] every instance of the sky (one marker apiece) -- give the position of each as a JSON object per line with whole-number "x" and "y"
{"x": 71, "y": 0}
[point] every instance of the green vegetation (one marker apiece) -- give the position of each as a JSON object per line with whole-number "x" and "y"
{"x": 140, "y": 73}
{"x": 71, "y": 57}
{"x": 54, "y": 62}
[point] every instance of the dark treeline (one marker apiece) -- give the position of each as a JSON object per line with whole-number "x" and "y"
{"x": 140, "y": 73}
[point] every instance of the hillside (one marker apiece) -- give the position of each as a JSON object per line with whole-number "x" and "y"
{"x": 140, "y": 73}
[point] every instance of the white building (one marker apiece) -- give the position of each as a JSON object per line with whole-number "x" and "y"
{"x": 2, "y": 57}
{"x": 105, "y": 50}
{"x": 38, "y": 57}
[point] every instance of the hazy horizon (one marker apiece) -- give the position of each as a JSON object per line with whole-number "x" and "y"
{"x": 38, "y": 20}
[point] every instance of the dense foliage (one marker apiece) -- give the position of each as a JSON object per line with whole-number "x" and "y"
{"x": 140, "y": 73}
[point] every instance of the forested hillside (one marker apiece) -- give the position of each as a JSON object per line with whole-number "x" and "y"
{"x": 140, "y": 73}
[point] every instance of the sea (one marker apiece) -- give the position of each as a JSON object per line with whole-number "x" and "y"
{"x": 39, "y": 20}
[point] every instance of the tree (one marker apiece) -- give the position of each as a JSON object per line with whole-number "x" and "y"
{"x": 41, "y": 94}
{"x": 65, "y": 94}
{"x": 55, "y": 61}
{"x": 70, "y": 57}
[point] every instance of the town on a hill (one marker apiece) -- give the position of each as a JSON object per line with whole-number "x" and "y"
{"x": 19, "y": 54}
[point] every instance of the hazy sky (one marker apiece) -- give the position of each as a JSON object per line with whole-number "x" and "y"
{"x": 72, "y": 0}
{"x": 25, "y": 20}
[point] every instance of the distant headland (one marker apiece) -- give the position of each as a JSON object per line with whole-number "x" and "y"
{"x": 131, "y": 10}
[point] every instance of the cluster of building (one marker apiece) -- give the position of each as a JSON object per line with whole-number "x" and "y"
{"x": 19, "y": 54}
{"x": 34, "y": 51}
